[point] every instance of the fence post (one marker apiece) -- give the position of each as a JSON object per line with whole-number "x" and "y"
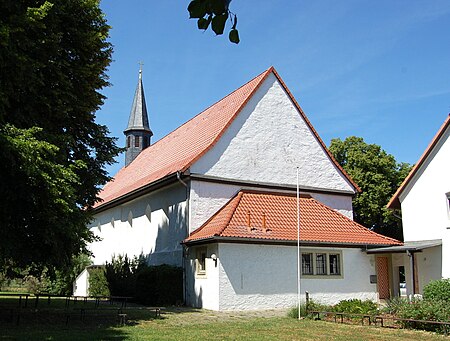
{"x": 307, "y": 301}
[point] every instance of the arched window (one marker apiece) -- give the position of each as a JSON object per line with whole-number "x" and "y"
{"x": 136, "y": 141}
{"x": 128, "y": 141}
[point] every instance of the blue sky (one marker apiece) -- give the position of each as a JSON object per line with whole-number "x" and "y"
{"x": 375, "y": 69}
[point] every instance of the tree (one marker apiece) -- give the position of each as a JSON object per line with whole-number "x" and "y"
{"x": 378, "y": 175}
{"x": 216, "y": 13}
{"x": 53, "y": 59}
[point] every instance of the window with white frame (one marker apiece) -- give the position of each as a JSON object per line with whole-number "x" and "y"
{"x": 322, "y": 263}
{"x": 200, "y": 268}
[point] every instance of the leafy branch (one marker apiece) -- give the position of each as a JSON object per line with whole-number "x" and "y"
{"x": 214, "y": 13}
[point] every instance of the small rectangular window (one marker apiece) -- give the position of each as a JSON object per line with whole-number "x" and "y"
{"x": 307, "y": 264}
{"x": 448, "y": 203}
{"x": 321, "y": 264}
{"x": 136, "y": 141}
{"x": 201, "y": 261}
{"x": 128, "y": 141}
{"x": 334, "y": 263}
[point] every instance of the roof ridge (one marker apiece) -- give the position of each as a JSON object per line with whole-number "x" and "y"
{"x": 223, "y": 207}
{"x": 161, "y": 140}
{"x": 238, "y": 197}
{"x": 314, "y": 131}
{"x": 394, "y": 201}
{"x": 237, "y": 112}
{"x": 354, "y": 222}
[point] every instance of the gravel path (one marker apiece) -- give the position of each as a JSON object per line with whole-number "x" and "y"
{"x": 203, "y": 314}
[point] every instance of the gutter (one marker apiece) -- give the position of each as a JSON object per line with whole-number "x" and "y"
{"x": 168, "y": 179}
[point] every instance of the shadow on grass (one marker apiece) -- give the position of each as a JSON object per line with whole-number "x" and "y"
{"x": 76, "y": 321}
{"x": 54, "y": 320}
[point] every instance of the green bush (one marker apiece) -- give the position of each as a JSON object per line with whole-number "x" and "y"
{"x": 356, "y": 306}
{"x": 395, "y": 305}
{"x": 121, "y": 275}
{"x": 305, "y": 308}
{"x": 437, "y": 290}
{"x": 159, "y": 285}
{"x": 431, "y": 310}
{"x": 98, "y": 285}
{"x": 36, "y": 285}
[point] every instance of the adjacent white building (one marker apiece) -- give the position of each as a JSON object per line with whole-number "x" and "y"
{"x": 173, "y": 202}
{"x": 424, "y": 198}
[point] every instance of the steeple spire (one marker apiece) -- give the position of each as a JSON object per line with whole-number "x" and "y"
{"x": 138, "y": 133}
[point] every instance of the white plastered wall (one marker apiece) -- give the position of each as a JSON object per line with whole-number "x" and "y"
{"x": 252, "y": 277}
{"x": 81, "y": 284}
{"x": 429, "y": 265}
{"x": 202, "y": 291}
{"x": 158, "y": 225}
{"x": 266, "y": 143}
{"x": 425, "y": 208}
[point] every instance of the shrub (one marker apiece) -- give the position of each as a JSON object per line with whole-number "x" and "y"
{"x": 98, "y": 285}
{"x": 356, "y": 306}
{"x": 437, "y": 290}
{"x": 305, "y": 308}
{"x": 395, "y": 305}
{"x": 36, "y": 285}
{"x": 159, "y": 285}
{"x": 121, "y": 275}
{"x": 431, "y": 310}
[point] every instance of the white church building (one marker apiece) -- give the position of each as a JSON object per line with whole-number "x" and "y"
{"x": 217, "y": 197}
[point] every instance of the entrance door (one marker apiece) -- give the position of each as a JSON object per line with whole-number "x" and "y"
{"x": 383, "y": 277}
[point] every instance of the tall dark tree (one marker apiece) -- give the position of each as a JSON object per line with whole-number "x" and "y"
{"x": 378, "y": 175}
{"x": 53, "y": 59}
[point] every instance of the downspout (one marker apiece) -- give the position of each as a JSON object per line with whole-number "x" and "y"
{"x": 183, "y": 261}
{"x": 411, "y": 265}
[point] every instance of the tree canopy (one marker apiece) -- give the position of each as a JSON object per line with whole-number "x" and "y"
{"x": 378, "y": 175}
{"x": 53, "y": 59}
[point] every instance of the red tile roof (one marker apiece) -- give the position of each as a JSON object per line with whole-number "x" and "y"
{"x": 395, "y": 202}
{"x": 318, "y": 223}
{"x": 178, "y": 150}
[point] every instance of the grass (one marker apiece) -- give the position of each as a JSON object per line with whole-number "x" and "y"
{"x": 191, "y": 324}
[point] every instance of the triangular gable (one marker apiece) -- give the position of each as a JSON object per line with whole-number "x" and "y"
{"x": 181, "y": 148}
{"x": 394, "y": 203}
{"x": 261, "y": 216}
{"x": 269, "y": 138}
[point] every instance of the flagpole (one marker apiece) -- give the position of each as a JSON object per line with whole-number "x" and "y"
{"x": 298, "y": 245}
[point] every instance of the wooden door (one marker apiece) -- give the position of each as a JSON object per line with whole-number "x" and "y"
{"x": 383, "y": 277}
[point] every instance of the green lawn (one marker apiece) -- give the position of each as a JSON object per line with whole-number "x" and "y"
{"x": 191, "y": 324}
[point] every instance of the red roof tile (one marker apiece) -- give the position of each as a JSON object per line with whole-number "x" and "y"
{"x": 318, "y": 223}
{"x": 178, "y": 150}
{"x": 395, "y": 202}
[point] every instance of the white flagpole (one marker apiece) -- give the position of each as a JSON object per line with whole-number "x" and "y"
{"x": 298, "y": 245}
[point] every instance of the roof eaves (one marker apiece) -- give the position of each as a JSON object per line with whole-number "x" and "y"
{"x": 395, "y": 202}
{"x": 273, "y": 241}
{"x": 135, "y": 193}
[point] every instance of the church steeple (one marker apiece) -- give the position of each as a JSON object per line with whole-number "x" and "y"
{"x": 138, "y": 133}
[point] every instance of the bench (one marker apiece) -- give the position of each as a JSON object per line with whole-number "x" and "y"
{"x": 14, "y": 294}
{"x": 99, "y": 313}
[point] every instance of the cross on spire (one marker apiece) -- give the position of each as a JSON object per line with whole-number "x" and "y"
{"x": 140, "y": 69}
